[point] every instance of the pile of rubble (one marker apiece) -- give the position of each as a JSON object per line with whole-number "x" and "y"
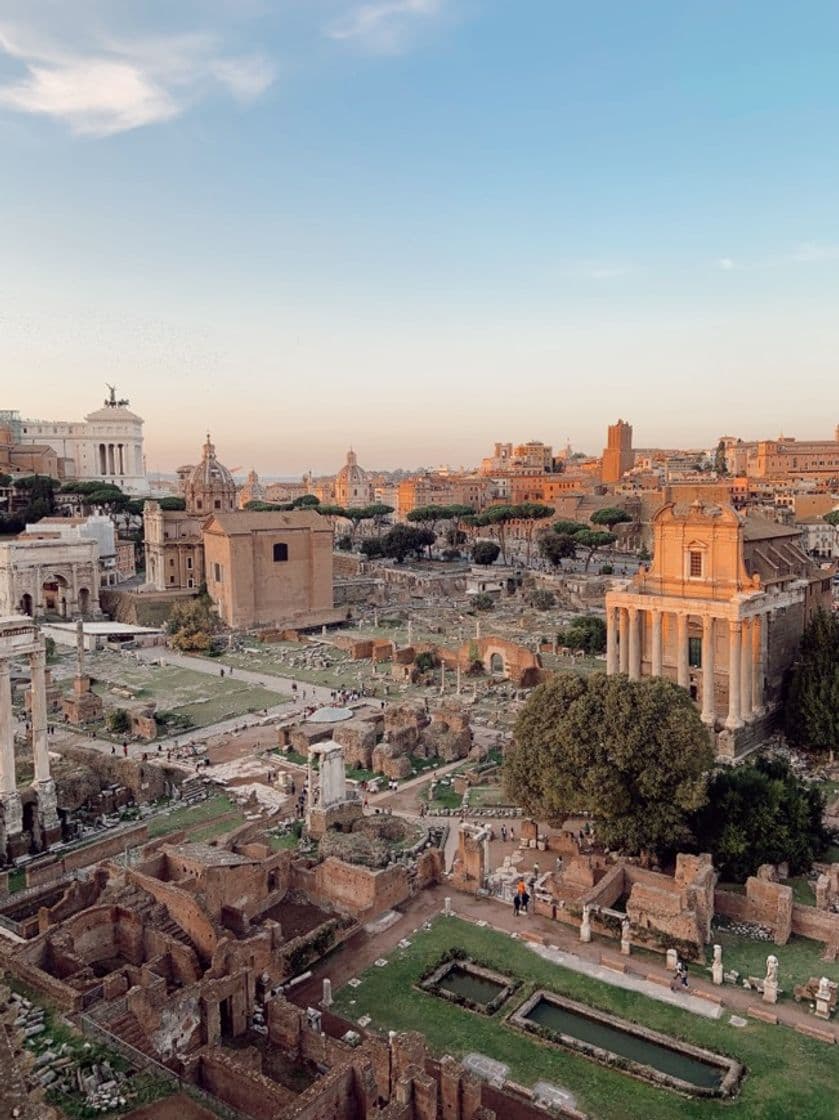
{"x": 753, "y": 931}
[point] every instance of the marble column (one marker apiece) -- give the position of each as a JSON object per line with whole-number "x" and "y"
{"x": 611, "y": 641}
{"x": 682, "y": 650}
{"x": 38, "y": 696}
{"x": 12, "y": 820}
{"x": 7, "y": 732}
{"x": 746, "y": 670}
{"x": 733, "y": 719}
{"x": 634, "y": 643}
{"x": 758, "y": 639}
{"x": 708, "y": 710}
{"x": 655, "y": 643}
{"x": 623, "y": 647}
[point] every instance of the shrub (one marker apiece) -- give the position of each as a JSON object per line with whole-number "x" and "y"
{"x": 483, "y": 601}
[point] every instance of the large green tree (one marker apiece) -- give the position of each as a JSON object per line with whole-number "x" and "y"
{"x": 761, "y": 813}
{"x": 403, "y": 540}
{"x": 634, "y": 754}
{"x": 832, "y": 518}
{"x": 610, "y": 517}
{"x": 556, "y": 547}
{"x": 591, "y": 540}
{"x": 485, "y": 552}
{"x": 812, "y": 704}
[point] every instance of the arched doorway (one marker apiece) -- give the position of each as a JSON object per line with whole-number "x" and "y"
{"x": 496, "y": 665}
{"x": 84, "y": 601}
{"x": 26, "y": 604}
{"x": 55, "y": 596}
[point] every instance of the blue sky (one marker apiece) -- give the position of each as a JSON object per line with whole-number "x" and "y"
{"x": 420, "y": 226}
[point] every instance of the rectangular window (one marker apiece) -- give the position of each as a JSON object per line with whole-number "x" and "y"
{"x": 217, "y": 503}
{"x": 695, "y": 565}
{"x": 280, "y": 553}
{"x": 189, "y": 563}
{"x": 695, "y": 653}
{"x": 218, "y": 573}
{"x": 171, "y": 562}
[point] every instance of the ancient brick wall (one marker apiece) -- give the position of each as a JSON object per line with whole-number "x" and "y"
{"x": 360, "y": 890}
{"x": 185, "y": 911}
{"x": 243, "y": 1088}
{"x": 821, "y": 925}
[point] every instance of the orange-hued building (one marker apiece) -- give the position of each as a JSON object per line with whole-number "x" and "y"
{"x": 618, "y": 457}
{"x": 720, "y": 611}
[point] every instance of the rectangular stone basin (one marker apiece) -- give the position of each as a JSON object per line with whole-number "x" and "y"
{"x": 638, "y": 1051}
{"x": 470, "y": 985}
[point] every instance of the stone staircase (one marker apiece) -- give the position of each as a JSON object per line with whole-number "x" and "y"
{"x": 193, "y": 790}
{"x": 129, "y": 1030}
{"x": 170, "y": 927}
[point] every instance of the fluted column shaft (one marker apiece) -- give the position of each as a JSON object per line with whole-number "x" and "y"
{"x": 623, "y": 647}
{"x": 38, "y": 664}
{"x": 655, "y": 643}
{"x": 7, "y": 733}
{"x": 634, "y": 643}
{"x": 746, "y": 667}
{"x": 758, "y": 638}
{"x": 611, "y": 641}
{"x": 733, "y": 720}
{"x": 708, "y": 709}
{"x": 682, "y": 651}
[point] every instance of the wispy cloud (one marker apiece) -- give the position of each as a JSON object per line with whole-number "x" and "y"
{"x": 384, "y": 25}
{"x": 726, "y": 264}
{"x": 110, "y": 85}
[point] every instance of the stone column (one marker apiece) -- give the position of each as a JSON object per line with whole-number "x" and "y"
{"x": 655, "y": 650}
{"x": 746, "y": 670}
{"x": 682, "y": 650}
{"x": 37, "y": 666}
{"x": 611, "y": 641}
{"x": 623, "y": 647}
{"x": 708, "y": 670}
{"x": 7, "y": 741}
{"x": 12, "y": 821}
{"x": 634, "y": 644}
{"x": 733, "y": 676}
{"x": 758, "y": 639}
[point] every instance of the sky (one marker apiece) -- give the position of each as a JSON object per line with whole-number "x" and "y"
{"x": 417, "y": 227}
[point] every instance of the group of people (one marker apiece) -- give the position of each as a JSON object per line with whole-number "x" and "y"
{"x": 521, "y": 899}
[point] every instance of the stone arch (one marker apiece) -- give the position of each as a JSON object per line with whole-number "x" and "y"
{"x": 495, "y": 664}
{"x": 26, "y": 603}
{"x": 54, "y": 590}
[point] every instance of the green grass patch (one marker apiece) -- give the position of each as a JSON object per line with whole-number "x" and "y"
{"x": 788, "y": 1075}
{"x": 798, "y": 960}
{"x": 192, "y": 814}
{"x": 17, "y": 880}
{"x": 444, "y": 797}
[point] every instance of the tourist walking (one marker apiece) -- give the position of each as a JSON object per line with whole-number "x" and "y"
{"x": 516, "y": 904}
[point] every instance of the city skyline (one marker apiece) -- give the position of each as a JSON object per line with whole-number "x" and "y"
{"x": 418, "y": 226}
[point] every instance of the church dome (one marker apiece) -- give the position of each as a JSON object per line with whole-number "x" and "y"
{"x": 352, "y": 488}
{"x": 210, "y": 487}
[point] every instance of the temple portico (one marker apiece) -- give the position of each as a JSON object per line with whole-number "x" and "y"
{"x": 19, "y": 638}
{"x": 720, "y": 612}
{"x": 701, "y": 646}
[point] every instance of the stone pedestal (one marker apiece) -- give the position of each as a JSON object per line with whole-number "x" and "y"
{"x": 326, "y": 998}
{"x": 672, "y": 960}
{"x": 716, "y": 972}
{"x": 770, "y": 991}
{"x": 48, "y": 812}
{"x": 585, "y": 927}
{"x": 626, "y": 946}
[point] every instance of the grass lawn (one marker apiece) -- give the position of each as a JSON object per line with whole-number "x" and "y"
{"x": 444, "y": 797}
{"x": 194, "y": 814}
{"x": 486, "y": 797}
{"x": 798, "y": 960}
{"x": 788, "y": 1075}
{"x": 204, "y": 699}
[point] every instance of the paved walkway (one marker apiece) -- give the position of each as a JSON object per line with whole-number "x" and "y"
{"x": 363, "y": 949}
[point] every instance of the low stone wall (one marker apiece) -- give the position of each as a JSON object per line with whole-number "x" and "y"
{"x": 245, "y": 1089}
{"x": 112, "y": 844}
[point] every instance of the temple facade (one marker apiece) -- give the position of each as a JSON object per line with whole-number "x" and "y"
{"x": 720, "y": 611}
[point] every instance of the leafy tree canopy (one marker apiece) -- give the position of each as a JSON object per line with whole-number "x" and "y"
{"x": 568, "y": 528}
{"x": 611, "y": 516}
{"x": 811, "y": 711}
{"x": 191, "y": 624}
{"x": 760, "y": 813}
{"x": 832, "y": 518}
{"x": 632, "y": 753}
{"x": 485, "y": 552}
{"x": 586, "y": 632}
{"x": 305, "y": 500}
{"x": 172, "y": 503}
{"x": 556, "y": 547}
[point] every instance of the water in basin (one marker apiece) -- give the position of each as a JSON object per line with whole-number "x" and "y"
{"x": 564, "y": 1021}
{"x": 477, "y": 989}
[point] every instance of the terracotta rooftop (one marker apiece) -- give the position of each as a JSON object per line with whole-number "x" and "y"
{"x": 246, "y": 521}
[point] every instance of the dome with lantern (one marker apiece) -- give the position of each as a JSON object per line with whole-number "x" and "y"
{"x": 210, "y": 488}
